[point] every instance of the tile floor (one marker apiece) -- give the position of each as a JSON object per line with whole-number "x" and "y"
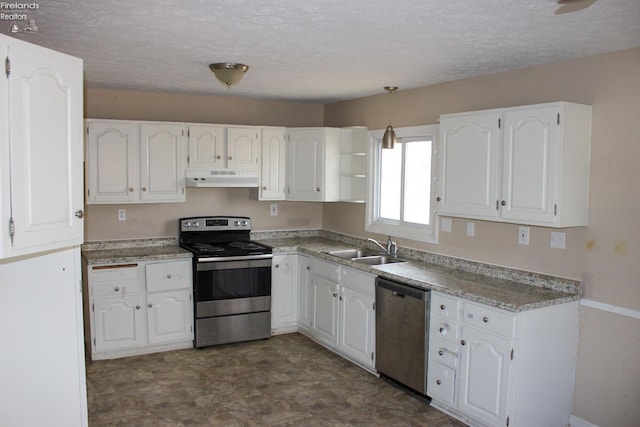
{"x": 287, "y": 380}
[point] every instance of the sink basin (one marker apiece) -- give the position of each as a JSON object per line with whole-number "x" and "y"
{"x": 376, "y": 260}
{"x": 354, "y": 253}
{"x": 365, "y": 256}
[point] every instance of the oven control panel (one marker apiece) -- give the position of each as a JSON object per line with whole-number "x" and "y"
{"x": 215, "y": 223}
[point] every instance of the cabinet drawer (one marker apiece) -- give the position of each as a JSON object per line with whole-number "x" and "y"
{"x": 358, "y": 280}
{"x": 115, "y": 288}
{"x": 113, "y": 272}
{"x": 325, "y": 269}
{"x": 445, "y": 306}
{"x": 488, "y": 319}
{"x": 167, "y": 276}
{"x": 441, "y": 383}
{"x": 443, "y": 352}
{"x": 443, "y": 329}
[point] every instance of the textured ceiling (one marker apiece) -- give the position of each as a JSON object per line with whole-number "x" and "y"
{"x": 322, "y": 50}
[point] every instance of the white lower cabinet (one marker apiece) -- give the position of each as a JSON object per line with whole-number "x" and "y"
{"x": 284, "y": 293}
{"x": 336, "y": 309}
{"x": 139, "y": 307}
{"x": 492, "y": 367}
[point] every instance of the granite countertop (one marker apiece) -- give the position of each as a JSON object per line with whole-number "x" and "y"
{"x": 534, "y": 291}
{"x": 109, "y": 252}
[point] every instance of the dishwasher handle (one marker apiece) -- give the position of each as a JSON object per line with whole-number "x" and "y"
{"x": 400, "y": 290}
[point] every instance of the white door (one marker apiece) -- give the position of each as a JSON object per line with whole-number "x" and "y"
{"x": 206, "y": 147}
{"x": 304, "y": 177}
{"x": 273, "y": 165}
{"x": 469, "y": 161}
{"x": 119, "y": 323}
{"x": 325, "y": 310}
{"x": 243, "y": 148}
{"x": 46, "y": 149}
{"x": 305, "y": 293}
{"x": 169, "y": 316}
{"x": 163, "y": 161}
{"x": 284, "y": 293}
{"x": 530, "y": 146}
{"x": 113, "y": 162}
{"x": 484, "y": 376}
{"x": 357, "y": 323}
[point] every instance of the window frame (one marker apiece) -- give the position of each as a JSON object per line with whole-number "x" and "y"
{"x": 374, "y": 223}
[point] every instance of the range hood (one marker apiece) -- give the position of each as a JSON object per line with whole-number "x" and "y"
{"x": 222, "y": 178}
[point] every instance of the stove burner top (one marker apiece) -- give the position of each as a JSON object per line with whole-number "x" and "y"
{"x": 207, "y": 247}
{"x": 245, "y": 245}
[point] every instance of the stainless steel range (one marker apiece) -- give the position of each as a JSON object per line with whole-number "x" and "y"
{"x": 231, "y": 280}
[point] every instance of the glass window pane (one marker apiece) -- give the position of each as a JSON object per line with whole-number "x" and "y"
{"x": 390, "y": 180}
{"x": 417, "y": 183}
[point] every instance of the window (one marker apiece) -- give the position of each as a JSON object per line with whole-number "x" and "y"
{"x": 401, "y": 193}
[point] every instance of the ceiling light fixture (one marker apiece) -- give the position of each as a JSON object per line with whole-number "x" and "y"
{"x": 389, "y": 137}
{"x": 228, "y": 73}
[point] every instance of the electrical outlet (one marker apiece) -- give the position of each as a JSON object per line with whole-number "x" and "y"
{"x": 122, "y": 214}
{"x": 557, "y": 240}
{"x": 471, "y": 228}
{"x": 523, "y": 236}
{"x": 273, "y": 209}
{"x": 445, "y": 224}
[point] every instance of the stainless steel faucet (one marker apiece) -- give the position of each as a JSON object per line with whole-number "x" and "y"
{"x": 390, "y": 249}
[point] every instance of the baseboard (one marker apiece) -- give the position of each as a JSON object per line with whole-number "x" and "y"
{"x": 579, "y": 422}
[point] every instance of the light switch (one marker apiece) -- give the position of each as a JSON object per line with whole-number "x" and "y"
{"x": 445, "y": 224}
{"x": 122, "y": 214}
{"x": 471, "y": 228}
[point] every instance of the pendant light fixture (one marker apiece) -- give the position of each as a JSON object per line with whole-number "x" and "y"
{"x": 228, "y": 73}
{"x": 389, "y": 137}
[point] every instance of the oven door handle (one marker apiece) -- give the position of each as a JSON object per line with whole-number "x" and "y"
{"x": 235, "y": 258}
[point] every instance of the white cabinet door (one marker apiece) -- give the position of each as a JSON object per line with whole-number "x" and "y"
{"x": 357, "y": 326}
{"x": 163, "y": 161}
{"x": 325, "y": 311}
{"x": 273, "y": 172}
{"x": 469, "y": 164}
{"x": 119, "y": 323}
{"x": 243, "y": 148}
{"x": 304, "y": 163}
{"x": 112, "y": 162}
{"x": 41, "y": 154}
{"x": 305, "y": 293}
{"x": 206, "y": 147}
{"x": 170, "y": 316}
{"x": 284, "y": 291}
{"x": 484, "y": 376}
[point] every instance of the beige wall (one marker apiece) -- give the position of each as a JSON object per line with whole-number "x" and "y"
{"x": 155, "y": 220}
{"x": 605, "y": 254}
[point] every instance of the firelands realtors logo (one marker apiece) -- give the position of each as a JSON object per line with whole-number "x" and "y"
{"x": 17, "y": 15}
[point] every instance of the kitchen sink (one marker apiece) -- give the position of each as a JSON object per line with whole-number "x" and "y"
{"x": 365, "y": 256}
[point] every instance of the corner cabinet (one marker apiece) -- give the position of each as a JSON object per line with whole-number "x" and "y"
{"x": 135, "y": 162}
{"x": 41, "y": 200}
{"x": 139, "y": 307}
{"x": 523, "y": 165}
{"x": 483, "y": 360}
{"x": 353, "y": 165}
{"x": 336, "y": 309}
{"x": 313, "y": 164}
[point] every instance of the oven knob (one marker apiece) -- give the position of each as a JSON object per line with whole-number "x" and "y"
{"x": 244, "y": 223}
{"x": 237, "y": 223}
{"x": 187, "y": 224}
{"x": 196, "y": 224}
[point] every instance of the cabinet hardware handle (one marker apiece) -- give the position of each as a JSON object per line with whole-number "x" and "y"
{"x": 80, "y": 213}
{"x": 150, "y": 305}
{"x": 438, "y": 382}
{"x": 138, "y": 307}
{"x": 341, "y": 298}
{"x": 169, "y": 276}
{"x": 335, "y": 295}
{"x": 485, "y": 319}
{"x": 441, "y": 352}
{"x": 463, "y": 342}
{"x": 130, "y": 189}
{"x": 264, "y": 188}
{"x": 230, "y": 157}
{"x": 442, "y": 330}
{"x": 442, "y": 307}
{"x": 308, "y": 268}
{"x": 277, "y": 266}
{"x": 503, "y": 203}
{"x": 218, "y": 157}
{"x": 116, "y": 289}
{"x": 438, "y": 198}
{"x": 144, "y": 188}
{"x": 317, "y": 188}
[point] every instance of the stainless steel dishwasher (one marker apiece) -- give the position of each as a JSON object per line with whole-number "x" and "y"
{"x": 402, "y": 333}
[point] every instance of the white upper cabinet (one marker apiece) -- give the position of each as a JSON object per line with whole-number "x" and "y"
{"x": 313, "y": 164}
{"x": 218, "y": 147}
{"x": 135, "y": 162}
{"x": 273, "y": 165}
{"x": 41, "y": 181}
{"x": 524, "y": 165}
